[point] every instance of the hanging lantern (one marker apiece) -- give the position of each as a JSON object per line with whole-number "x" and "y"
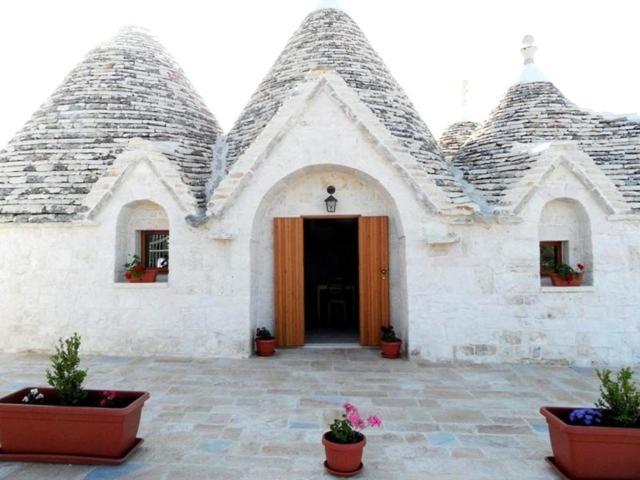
{"x": 331, "y": 202}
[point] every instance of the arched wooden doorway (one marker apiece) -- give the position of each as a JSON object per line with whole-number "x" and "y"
{"x": 289, "y": 273}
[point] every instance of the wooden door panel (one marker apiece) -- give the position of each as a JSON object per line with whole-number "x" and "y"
{"x": 289, "y": 281}
{"x": 373, "y": 245}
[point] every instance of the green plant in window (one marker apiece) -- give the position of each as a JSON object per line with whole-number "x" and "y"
{"x": 568, "y": 273}
{"x": 134, "y": 268}
{"x": 65, "y": 374}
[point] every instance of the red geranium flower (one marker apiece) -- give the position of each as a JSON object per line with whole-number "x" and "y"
{"x": 139, "y": 268}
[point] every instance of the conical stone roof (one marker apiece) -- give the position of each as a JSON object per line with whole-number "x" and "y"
{"x": 128, "y": 87}
{"x": 329, "y": 39}
{"x": 537, "y": 112}
{"x": 454, "y": 136}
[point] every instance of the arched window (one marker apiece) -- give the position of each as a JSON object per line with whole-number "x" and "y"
{"x": 143, "y": 230}
{"x": 565, "y": 238}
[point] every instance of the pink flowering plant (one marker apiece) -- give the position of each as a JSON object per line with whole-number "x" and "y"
{"x": 348, "y": 428}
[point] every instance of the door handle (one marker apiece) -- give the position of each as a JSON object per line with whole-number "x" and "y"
{"x": 383, "y": 271}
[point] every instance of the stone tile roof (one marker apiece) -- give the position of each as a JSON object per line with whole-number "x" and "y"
{"x": 128, "y": 87}
{"x": 533, "y": 112}
{"x": 330, "y": 39}
{"x": 454, "y": 137}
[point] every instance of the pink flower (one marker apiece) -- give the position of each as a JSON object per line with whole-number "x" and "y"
{"x": 350, "y": 408}
{"x": 352, "y": 415}
{"x": 581, "y": 266}
{"x": 354, "y": 419}
{"x": 374, "y": 421}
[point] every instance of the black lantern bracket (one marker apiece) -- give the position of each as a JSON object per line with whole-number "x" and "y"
{"x": 331, "y": 202}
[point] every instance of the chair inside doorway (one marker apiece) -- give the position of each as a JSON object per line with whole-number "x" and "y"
{"x": 331, "y": 280}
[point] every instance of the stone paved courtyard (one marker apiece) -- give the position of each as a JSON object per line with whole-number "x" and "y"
{"x": 262, "y": 418}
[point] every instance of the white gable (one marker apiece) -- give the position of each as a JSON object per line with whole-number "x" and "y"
{"x": 555, "y": 155}
{"x": 158, "y": 168}
{"x": 347, "y": 105}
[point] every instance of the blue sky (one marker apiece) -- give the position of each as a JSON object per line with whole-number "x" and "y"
{"x": 588, "y": 49}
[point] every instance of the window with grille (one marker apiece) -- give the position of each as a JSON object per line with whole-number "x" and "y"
{"x": 155, "y": 249}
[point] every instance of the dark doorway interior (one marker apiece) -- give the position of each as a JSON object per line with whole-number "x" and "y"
{"x": 331, "y": 280}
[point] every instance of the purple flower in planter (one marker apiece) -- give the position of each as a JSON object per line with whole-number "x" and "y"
{"x": 34, "y": 396}
{"x": 586, "y": 416}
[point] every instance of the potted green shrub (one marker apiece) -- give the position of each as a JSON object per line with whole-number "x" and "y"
{"x": 600, "y": 443}
{"x": 567, "y": 276}
{"x": 389, "y": 342}
{"x": 66, "y": 423}
{"x": 135, "y": 271}
{"x": 265, "y": 342}
{"x": 344, "y": 442}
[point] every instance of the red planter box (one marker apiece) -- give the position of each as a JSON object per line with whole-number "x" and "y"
{"x": 149, "y": 276}
{"x": 558, "y": 280}
{"x": 593, "y": 453}
{"x": 63, "y": 430}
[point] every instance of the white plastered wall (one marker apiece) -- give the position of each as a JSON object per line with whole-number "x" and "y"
{"x": 57, "y": 279}
{"x": 483, "y": 301}
{"x": 471, "y": 291}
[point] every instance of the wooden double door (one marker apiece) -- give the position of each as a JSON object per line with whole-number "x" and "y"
{"x": 373, "y": 273}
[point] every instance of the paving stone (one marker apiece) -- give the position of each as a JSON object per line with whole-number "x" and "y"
{"x": 504, "y": 429}
{"x": 191, "y": 435}
{"x": 458, "y": 416}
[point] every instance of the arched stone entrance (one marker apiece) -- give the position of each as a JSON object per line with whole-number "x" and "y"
{"x": 301, "y": 194}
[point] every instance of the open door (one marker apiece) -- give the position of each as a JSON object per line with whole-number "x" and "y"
{"x": 373, "y": 246}
{"x": 289, "y": 281}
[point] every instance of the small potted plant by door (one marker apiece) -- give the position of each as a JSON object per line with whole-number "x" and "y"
{"x": 567, "y": 276}
{"x": 389, "y": 342}
{"x": 344, "y": 442}
{"x": 265, "y": 342}
{"x": 67, "y": 424}
{"x": 601, "y": 443}
{"x": 135, "y": 271}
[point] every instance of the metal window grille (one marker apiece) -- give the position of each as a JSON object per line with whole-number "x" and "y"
{"x": 155, "y": 246}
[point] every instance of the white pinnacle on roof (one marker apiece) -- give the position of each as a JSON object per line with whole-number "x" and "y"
{"x": 530, "y": 73}
{"x": 534, "y": 111}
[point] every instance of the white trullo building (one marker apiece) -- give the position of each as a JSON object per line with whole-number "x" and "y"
{"x": 450, "y": 241}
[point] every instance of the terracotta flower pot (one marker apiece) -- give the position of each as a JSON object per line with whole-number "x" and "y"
{"x": 78, "y": 431}
{"x": 592, "y": 453}
{"x": 558, "y": 280}
{"x": 265, "y": 348}
{"x": 148, "y": 276}
{"x": 343, "y": 459}
{"x": 391, "y": 349}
